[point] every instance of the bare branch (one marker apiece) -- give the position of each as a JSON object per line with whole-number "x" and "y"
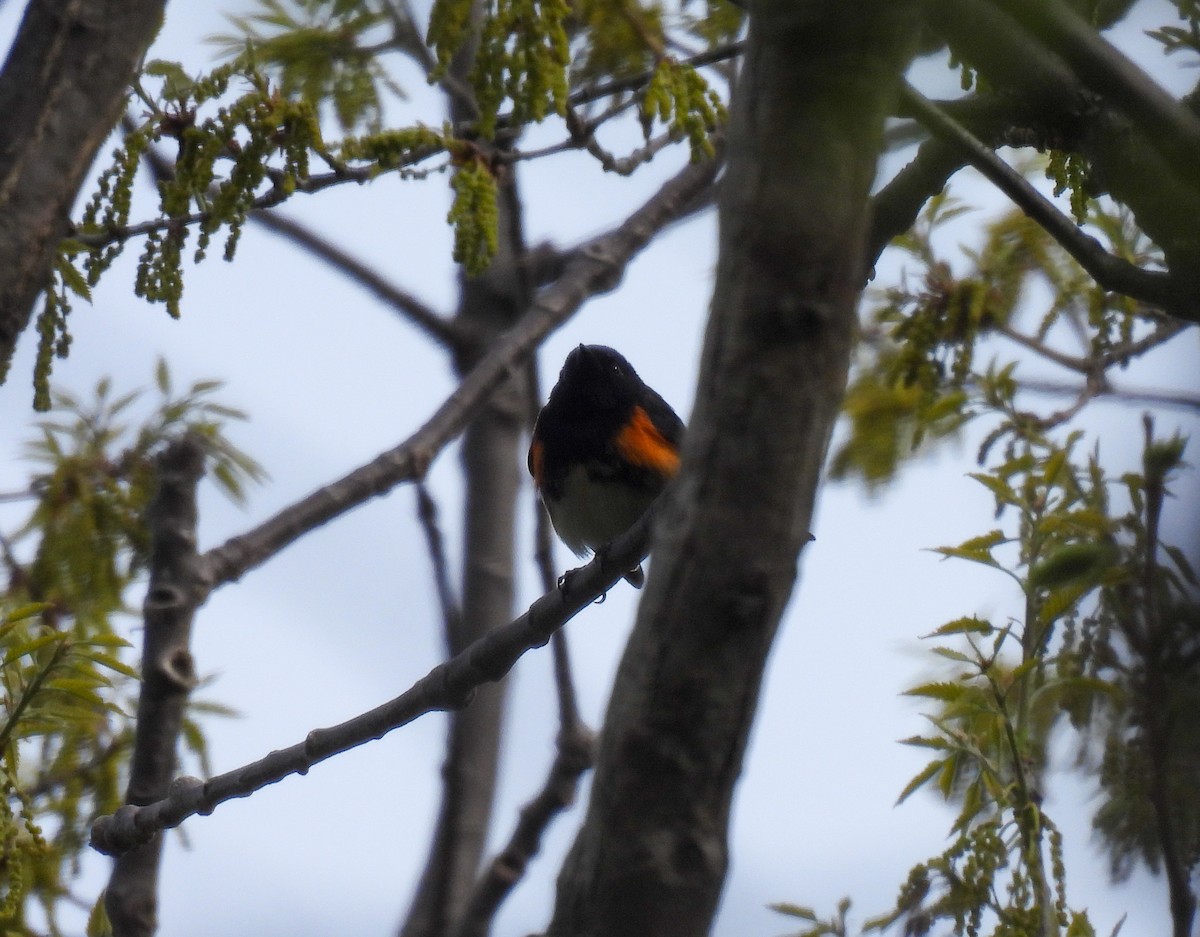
{"x": 449, "y": 685}
{"x": 451, "y": 613}
{"x": 575, "y": 756}
{"x": 1134, "y": 397}
{"x": 594, "y": 269}
{"x": 168, "y": 676}
{"x": 437, "y": 327}
{"x": 1111, "y": 272}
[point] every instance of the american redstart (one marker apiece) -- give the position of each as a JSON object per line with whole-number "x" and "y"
{"x": 604, "y": 447}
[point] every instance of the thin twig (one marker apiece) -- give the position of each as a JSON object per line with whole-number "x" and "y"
{"x": 449, "y": 685}
{"x": 269, "y": 199}
{"x": 451, "y": 612}
{"x": 442, "y": 330}
{"x": 620, "y": 85}
{"x": 575, "y": 756}
{"x": 1159, "y": 398}
{"x": 437, "y": 327}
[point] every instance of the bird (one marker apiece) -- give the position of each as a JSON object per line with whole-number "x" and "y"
{"x": 604, "y": 447}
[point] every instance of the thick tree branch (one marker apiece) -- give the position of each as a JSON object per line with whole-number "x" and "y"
{"x": 1064, "y": 112}
{"x": 489, "y": 305}
{"x": 449, "y": 685}
{"x": 61, "y": 92}
{"x": 168, "y": 676}
{"x": 594, "y": 269}
{"x": 1168, "y": 126}
{"x": 1109, "y": 271}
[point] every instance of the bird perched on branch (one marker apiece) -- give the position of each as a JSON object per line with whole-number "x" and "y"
{"x": 604, "y": 447}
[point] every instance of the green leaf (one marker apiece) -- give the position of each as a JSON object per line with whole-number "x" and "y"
{"x": 977, "y": 549}
{"x": 32, "y": 646}
{"x": 98, "y": 924}
{"x": 919, "y": 780}
{"x": 969, "y": 625}
{"x": 1060, "y": 601}
{"x": 946, "y": 692}
{"x": 1181, "y": 562}
{"x": 793, "y": 910}
{"x": 928, "y": 741}
{"x": 997, "y": 486}
{"x": 112, "y": 663}
{"x": 26, "y": 611}
{"x": 73, "y": 279}
{"x": 162, "y": 377}
{"x": 1070, "y": 563}
{"x": 177, "y": 84}
{"x": 950, "y": 654}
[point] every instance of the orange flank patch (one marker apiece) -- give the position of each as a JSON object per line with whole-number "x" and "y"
{"x": 642, "y": 444}
{"x": 535, "y": 462}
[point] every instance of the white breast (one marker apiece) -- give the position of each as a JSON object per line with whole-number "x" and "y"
{"x": 593, "y": 513}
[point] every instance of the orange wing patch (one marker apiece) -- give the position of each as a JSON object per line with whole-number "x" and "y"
{"x": 643, "y": 445}
{"x": 535, "y": 462}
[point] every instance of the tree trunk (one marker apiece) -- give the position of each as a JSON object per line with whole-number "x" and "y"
{"x": 488, "y": 305}
{"x": 806, "y": 131}
{"x": 61, "y": 92}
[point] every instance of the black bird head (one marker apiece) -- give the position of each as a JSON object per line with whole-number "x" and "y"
{"x": 597, "y": 380}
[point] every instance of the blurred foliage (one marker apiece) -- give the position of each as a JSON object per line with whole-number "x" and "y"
{"x": 68, "y": 675}
{"x": 1108, "y": 643}
{"x": 1106, "y": 648}
{"x": 322, "y": 52}
{"x": 917, "y": 374}
{"x": 245, "y": 134}
{"x": 1181, "y": 38}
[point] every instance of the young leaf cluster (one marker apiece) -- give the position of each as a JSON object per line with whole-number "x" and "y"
{"x": 522, "y": 59}
{"x": 919, "y": 374}
{"x": 61, "y": 730}
{"x": 65, "y": 731}
{"x": 320, "y": 51}
{"x": 679, "y": 97}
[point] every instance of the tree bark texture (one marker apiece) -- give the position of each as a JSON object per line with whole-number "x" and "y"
{"x": 805, "y": 134}
{"x": 61, "y": 92}
{"x": 168, "y": 676}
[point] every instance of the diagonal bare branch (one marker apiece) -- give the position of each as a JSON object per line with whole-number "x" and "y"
{"x": 1111, "y": 272}
{"x": 420, "y": 314}
{"x": 596, "y": 268}
{"x": 449, "y": 685}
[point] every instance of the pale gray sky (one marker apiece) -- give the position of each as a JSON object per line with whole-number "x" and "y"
{"x": 345, "y": 619}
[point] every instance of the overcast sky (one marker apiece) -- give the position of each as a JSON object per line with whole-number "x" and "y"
{"x": 346, "y": 618}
